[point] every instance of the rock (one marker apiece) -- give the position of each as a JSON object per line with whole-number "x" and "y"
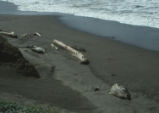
{"x": 96, "y": 89}
{"x": 52, "y": 69}
{"x": 26, "y": 68}
{"x": 113, "y": 75}
{"x": 8, "y": 53}
{"x": 120, "y": 92}
{"x": 12, "y": 55}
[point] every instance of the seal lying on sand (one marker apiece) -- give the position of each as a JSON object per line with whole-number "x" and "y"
{"x": 38, "y": 49}
{"x": 120, "y": 91}
{"x": 31, "y": 35}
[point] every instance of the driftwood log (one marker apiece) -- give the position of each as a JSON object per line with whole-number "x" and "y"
{"x": 11, "y": 34}
{"x": 53, "y": 45}
{"x": 73, "y": 51}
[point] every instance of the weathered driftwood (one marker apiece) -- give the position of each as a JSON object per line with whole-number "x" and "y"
{"x": 79, "y": 48}
{"x": 74, "y": 52}
{"x": 11, "y": 34}
{"x": 120, "y": 92}
{"x": 53, "y": 45}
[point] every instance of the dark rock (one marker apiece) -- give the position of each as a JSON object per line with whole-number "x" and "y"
{"x": 12, "y": 55}
{"x": 52, "y": 69}
{"x": 96, "y": 89}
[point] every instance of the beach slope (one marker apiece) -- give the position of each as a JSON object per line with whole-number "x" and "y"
{"x": 69, "y": 85}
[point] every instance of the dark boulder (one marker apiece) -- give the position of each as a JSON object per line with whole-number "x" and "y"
{"x": 11, "y": 55}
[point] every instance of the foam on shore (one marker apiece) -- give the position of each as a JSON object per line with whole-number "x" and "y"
{"x": 135, "y": 12}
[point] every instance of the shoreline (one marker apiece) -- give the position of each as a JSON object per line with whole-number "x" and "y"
{"x": 71, "y": 85}
{"x": 139, "y": 36}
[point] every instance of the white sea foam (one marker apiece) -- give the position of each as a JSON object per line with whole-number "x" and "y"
{"x": 136, "y": 12}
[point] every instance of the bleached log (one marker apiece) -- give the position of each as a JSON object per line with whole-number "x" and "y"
{"x": 74, "y": 52}
{"x": 11, "y": 34}
{"x": 53, "y": 45}
{"x": 37, "y": 34}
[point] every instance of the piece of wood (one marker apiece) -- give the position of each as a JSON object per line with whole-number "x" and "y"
{"x": 53, "y": 45}
{"x": 79, "y": 48}
{"x": 37, "y": 34}
{"x": 11, "y": 34}
{"x": 74, "y": 52}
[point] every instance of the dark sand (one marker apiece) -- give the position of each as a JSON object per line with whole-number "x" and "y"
{"x": 70, "y": 86}
{"x": 140, "y": 36}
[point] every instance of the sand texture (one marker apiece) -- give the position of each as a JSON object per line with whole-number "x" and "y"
{"x": 65, "y": 83}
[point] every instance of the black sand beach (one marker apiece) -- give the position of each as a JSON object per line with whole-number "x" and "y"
{"x": 70, "y": 85}
{"x": 140, "y": 36}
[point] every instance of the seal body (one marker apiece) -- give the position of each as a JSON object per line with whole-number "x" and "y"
{"x": 38, "y": 49}
{"x": 120, "y": 92}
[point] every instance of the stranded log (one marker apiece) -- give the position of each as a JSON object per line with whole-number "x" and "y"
{"x": 74, "y": 52}
{"x": 11, "y": 34}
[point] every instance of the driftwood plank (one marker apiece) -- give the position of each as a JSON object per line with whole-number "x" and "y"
{"x": 73, "y": 51}
{"x": 11, "y": 34}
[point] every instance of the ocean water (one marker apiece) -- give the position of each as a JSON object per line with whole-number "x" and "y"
{"x": 135, "y": 12}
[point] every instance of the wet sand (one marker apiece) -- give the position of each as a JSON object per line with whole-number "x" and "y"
{"x": 71, "y": 85}
{"x": 140, "y": 36}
